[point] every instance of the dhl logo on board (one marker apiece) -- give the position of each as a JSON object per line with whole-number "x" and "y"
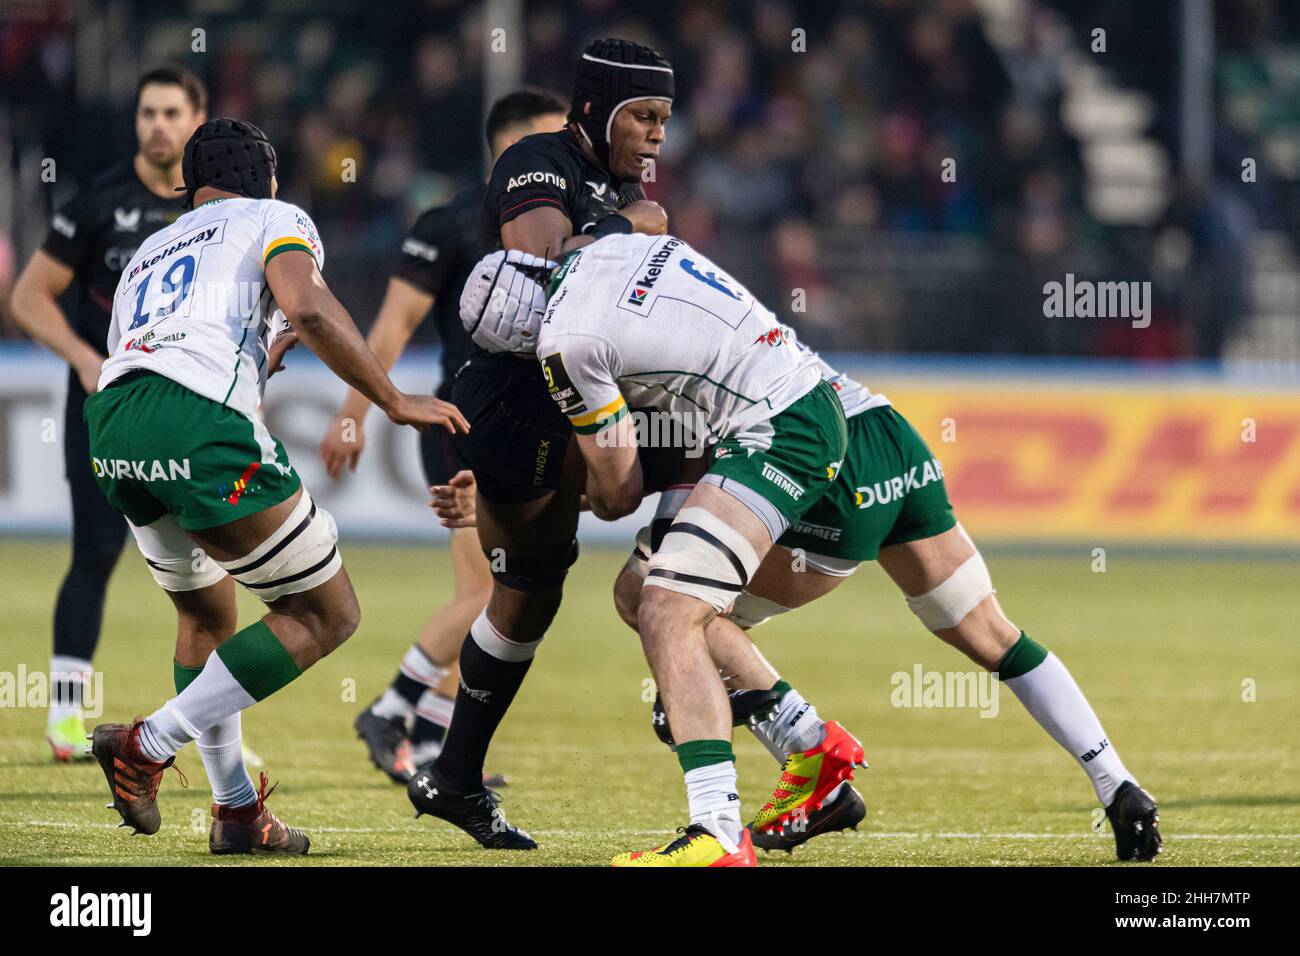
{"x": 1090, "y": 461}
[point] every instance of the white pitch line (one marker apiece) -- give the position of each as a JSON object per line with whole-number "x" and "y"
{"x": 869, "y": 834}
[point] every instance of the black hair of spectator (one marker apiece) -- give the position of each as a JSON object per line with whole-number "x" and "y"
{"x": 187, "y": 80}
{"x": 522, "y": 106}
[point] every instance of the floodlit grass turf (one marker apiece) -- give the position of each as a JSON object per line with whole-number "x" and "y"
{"x": 1161, "y": 648}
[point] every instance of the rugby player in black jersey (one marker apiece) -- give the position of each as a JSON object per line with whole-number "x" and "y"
{"x": 547, "y": 194}
{"x": 91, "y": 238}
{"x": 405, "y": 727}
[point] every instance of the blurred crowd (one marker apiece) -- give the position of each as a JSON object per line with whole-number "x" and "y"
{"x": 891, "y": 175}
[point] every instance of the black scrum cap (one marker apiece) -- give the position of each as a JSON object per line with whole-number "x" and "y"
{"x": 611, "y": 74}
{"x": 228, "y": 154}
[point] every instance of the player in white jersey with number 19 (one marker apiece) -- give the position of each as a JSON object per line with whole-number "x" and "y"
{"x": 202, "y": 315}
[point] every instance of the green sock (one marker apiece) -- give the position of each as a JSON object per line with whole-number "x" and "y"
{"x": 1024, "y": 656}
{"x": 258, "y": 661}
{"x": 702, "y": 753}
{"x": 182, "y": 676}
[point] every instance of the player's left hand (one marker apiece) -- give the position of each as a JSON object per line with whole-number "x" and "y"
{"x": 275, "y": 357}
{"x": 453, "y": 502}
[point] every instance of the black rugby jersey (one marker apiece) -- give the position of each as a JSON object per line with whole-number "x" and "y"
{"x": 550, "y": 169}
{"x": 437, "y": 256}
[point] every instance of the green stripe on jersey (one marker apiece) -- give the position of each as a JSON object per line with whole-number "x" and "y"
{"x": 602, "y": 424}
{"x": 284, "y": 246}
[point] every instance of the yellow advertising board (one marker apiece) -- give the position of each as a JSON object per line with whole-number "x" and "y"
{"x": 1090, "y": 459}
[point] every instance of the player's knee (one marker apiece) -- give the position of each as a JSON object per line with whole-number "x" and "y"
{"x": 347, "y": 619}
{"x": 524, "y": 615}
{"x": 300, "y": 555}
{"x": 207, "y": 625}
{"x": 541, "y": 571}
{"x": 627, "y": 596}
{"x": 750, "y": 610}
{"x": 947, "y": 605}
{"x": 701, "y": 557}
{"x": 664, "y": 613}
{"x": 330, "y": 617}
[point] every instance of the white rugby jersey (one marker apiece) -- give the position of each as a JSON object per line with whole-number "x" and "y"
{"x": 193, "y": 304}
{"x": 854, "y": 396}
{"x": 647, "y": 321}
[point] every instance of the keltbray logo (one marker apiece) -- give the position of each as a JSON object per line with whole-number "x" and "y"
{"x": 150, "y": 260}
{"x": 638, "y": 296}
{"x": 891, "y": 489}
{"x": 655, "y": 267}
{"x": 143, "y": 470}
{"x": 783, "y": 481}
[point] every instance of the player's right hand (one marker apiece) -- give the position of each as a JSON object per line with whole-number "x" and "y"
{"x": 454, "y": 502}
{"x": 88, "y": 374}
{"x": 423, "y": 411}
{"x": 646, "y": 216}
{"x": 344, "y": 441}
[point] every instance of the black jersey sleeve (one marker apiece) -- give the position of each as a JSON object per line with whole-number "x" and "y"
{"x": 72, "y": 231}
{"x": 429, "y": 251}
{"x": 530, "y": 175}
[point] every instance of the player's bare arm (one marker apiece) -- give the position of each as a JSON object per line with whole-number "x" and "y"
{"x": 400, "y": 314}
{"x": 37, "y": 312}
{"x": 325, "y": 327}
{"x": 614, "y": 481}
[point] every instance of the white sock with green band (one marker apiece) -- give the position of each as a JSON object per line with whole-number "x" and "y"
{"x": 709, "y": 768}
{"x": 249, "y": 667}
{"x": 1045, "y": 688}
{"x": 793, "y": 729}
{"x": 221, "y": 749}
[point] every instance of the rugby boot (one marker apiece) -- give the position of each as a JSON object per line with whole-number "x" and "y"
{"x": 133, "y": 778}
{"x": 695, "y": 846}
{"x": 253, "y": 828}
{"x": 1135, "y": 821}
{"x": 477, "y": 813}
{"x": 387, "y": 744}
{"x": 844, "y": 812}
{"x": 67, "y": 737}
{"x": 807, "y": 778}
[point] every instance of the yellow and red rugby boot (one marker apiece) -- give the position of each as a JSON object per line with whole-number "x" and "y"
{"x": 132, "y": 777}
{"x": 695, "y": 847}
{"x": 808, "y": 777}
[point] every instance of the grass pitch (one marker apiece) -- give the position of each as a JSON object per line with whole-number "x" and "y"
{"x": 1163, "y": 650}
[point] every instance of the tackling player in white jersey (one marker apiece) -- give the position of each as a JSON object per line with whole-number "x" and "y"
{"x": 633, "y": 324}
{"x": 648, "y": 321}
{"x": 209, "y": 493}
